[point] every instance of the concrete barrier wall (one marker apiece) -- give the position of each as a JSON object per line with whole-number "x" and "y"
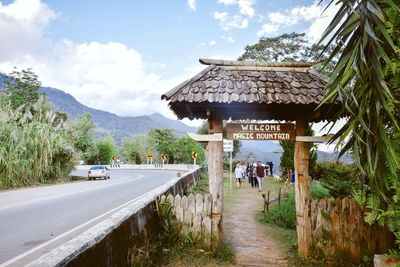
{"x": 183, "y": 167}
{"x": 108, "y": 243}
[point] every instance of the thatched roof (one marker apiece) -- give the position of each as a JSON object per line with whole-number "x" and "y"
{"x": 277, "y": 88}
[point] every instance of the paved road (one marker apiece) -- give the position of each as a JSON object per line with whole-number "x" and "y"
{"x": 31, "y": 217}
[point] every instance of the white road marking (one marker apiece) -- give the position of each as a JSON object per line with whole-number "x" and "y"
{"x": 15, "y": 259}
{"x": 40, "y": 199}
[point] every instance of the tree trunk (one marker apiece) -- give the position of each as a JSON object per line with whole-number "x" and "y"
{"x": 302, "y": 184}
{"x": 215, "y": 175}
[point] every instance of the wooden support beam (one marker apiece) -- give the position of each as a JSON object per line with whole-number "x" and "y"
{"x": 215, "y": 174}
{"x": 315, "y": 139}
{"x": 189, "y": 110}
{"x": 206, "y": 137}
{"x": 302, "y": 190}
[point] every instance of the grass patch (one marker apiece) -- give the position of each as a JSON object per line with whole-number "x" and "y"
{"x": 176, "y": 246}
{"x": 201, "y": 187}
{"x": 283, "y": 215}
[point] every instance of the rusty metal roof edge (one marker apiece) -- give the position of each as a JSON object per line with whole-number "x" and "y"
{"x": 177, "y": 88}
{"x": 220, "y": 62}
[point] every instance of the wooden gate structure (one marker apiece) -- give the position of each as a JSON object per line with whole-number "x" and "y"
{"x": 241, "y": 90}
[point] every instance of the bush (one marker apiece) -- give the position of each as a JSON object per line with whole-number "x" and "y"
{"x": 318, "y": 190}
{"x": 284, "y": 215}
{"x": 337, "y": 177}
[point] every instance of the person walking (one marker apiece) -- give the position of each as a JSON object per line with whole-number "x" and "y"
{"x": 239, "y": 174}
{"x": 260, "y": 172}
{"x": 270, "y": 167}
{"x": 250, "y": 174}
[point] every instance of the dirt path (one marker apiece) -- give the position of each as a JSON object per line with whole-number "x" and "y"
{"x": 251, "y": 244}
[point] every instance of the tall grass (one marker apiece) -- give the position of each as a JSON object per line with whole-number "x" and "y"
{"x": 32, "y": 149}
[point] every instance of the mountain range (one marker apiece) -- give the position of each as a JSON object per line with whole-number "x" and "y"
{"x": 120, "y": 127}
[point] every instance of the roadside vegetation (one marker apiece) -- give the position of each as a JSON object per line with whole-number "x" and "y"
{"x": 175, "y": 246}
{"x": 331, "y": 180}
{"x": 39, "y": 145}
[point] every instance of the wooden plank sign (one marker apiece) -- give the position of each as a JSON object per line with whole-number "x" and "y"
{"x": 260, "y": 131}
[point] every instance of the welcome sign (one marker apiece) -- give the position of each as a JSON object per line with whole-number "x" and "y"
{"x": 260, "y": 131}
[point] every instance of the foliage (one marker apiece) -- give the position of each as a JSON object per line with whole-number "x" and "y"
{"x": 339, "y": 178}
{"x": 164, "y": 142}
{"x": 133, "y": 150}
{"x": 318, "y": 190}
{"x": 366, "y": 77}
{"x": 359, "y": 79}
{"x": 22, "y": 87}
{"x": 102, "y": 151}
{"x": 175, "y": 243}
{"x": 289, "y": 47}
{"x": 287, "y": 158}
{"x": 284, "y": 215}
{"x": 184, "y": 148}
{"x": 83, "y": 138}
{"x": 106, "y": 150}
{"x": 203, "y": 129}
{"x": 34, "y": 145}
{"x": 201, "y": 186}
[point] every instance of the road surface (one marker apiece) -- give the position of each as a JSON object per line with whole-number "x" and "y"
{"x": 48, "y": 216}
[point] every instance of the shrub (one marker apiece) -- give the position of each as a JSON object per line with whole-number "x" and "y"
{"x": 284, "y": 215}
{"x": 337, "y": 177}
{"x": 318, "y": 190}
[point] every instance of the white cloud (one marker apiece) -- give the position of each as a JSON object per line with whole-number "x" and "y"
{"x": 108, "y": 76}
{"x": 210, "y": 43}
{"x": 21, "y": 26}
{"x": 230, "y": 40}
{"x": 310, "y": 14}
{"x": 245, "y": 6}
{"x": 228, "y": 2}
{"x": 268, "y": 28}
{"x": 318, "y": 26}
{"x": 192, "y": 4}
{"x": 228, "y": 22}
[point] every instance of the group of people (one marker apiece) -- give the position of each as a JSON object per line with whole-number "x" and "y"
{"x": 255, "y": 173}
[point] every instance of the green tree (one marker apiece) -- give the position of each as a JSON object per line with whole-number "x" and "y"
{"x": 290, "y": 47}
{"x": 366, "y": 77}
{"x": 83, "y": 138}
{"x": 203, "y": 129}
{"x": 184, "y": 148}
{"x": 106, "y": 149}
{"x": 287, "y": 158}
{"x": 134, "y": 149}
{"x": 22, "y": 88}
{"x": 163, "y": 141}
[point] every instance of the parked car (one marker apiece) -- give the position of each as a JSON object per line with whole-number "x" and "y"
{"x": 99, "y": 172}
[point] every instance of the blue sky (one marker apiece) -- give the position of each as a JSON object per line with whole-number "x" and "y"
{"x": 120, "y": 56}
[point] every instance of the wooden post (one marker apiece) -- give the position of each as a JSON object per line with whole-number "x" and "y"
{"x": 268, "y": 201}
{"x": 279, "y": 197}
{"x": 265, "y": 204}
{"x": 303, "y": 197}
{"x": 215, "y": 173}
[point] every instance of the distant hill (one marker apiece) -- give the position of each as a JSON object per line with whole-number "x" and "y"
{"x": 119, "y": 126}
{"x": 124, "y": 127}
